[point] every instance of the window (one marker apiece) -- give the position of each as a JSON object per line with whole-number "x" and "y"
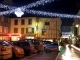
{"x": 22, "y": 22}
{"x": 15, "y": 30}
{"x": 16, "y": 22}
{"x": 46, "y": 23}
{"x": 29, "y": 30}
{"x": 30, "y": 22}
{"x": 43, "y": 32}
{"x": 22, "y": 30}
{"x": 2, "y": 18}
{"x": 6, "y": 19}
{"x": 32, "y": 30}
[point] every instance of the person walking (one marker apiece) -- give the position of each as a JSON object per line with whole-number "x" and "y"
{"x": 62, "y": 48}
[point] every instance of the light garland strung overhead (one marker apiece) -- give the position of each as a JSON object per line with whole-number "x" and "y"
{"x": 43, "y": 13}
{"x": 17, "y": 11}
{"x": 23, "y": 9}
{"x": 35, "y": 4}
{"x": 7, "y": 7}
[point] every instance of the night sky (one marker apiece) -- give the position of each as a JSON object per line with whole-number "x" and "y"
{"x": 58, "y": 6}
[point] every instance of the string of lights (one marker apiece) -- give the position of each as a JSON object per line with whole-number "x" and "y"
{"x": 17, "y": 10}
{"x": 43, "y": 13}
{"x": 34, "y": 4}
{"x": 7, "y": 7}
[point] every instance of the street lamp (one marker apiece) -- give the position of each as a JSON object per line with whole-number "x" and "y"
{"x": 77, "y": 25}
{"x": 36, "y": 30}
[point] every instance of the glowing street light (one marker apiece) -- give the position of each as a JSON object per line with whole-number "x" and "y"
{"x": 77, "y": 25}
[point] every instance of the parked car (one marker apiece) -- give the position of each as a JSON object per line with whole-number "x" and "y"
{"x": 38, "y": 45}
{"x": 27, "y": 46}
{"x": 45, "y": 43}
{"x": 5, "y": 50}
{"x": 17, "y": 51}
{"x": 51, "y": 47}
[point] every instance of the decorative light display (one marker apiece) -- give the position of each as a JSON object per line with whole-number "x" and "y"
{"x": 35, "y": 4}
{"x": 43, "y": 13}
{"x": 26, "y": 9}
{"x": 51, "y": 14}
{"x": 7, "y": 6}
{"x": 19, "y": 12}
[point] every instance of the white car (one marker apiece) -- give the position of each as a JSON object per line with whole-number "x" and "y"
{"x": 5, "y": 50}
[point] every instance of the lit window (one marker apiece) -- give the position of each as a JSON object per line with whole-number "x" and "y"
{"x": 29, "y": 30}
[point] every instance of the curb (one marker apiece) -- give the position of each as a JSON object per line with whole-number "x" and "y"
{"x": 57, "y": 56}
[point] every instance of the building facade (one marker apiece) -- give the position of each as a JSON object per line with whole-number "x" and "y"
{"x": 76, "y": 31}
{"x": 5, "y": 22}
{"x": 77, "y": 25}
{"x": 4, "y": 27}
{"x": 35, "y": 27}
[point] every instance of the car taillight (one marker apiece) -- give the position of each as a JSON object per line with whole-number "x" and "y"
{"x": 3, "y": 49}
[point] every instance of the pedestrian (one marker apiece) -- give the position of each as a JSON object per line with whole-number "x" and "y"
{"x": 62, "y": 48}
{"x": 61, "y": 51}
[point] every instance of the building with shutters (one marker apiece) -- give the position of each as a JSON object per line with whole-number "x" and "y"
{"x": 36, "y": 27}
{"x": 76, "y": 29}
{"x": 5, "y": 22}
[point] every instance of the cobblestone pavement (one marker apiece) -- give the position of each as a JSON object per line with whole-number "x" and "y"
{"x": 39, "y": 56}
{"x": 44, "y": 56}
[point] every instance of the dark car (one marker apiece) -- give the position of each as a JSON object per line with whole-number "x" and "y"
{"x": 45, "y": 43}
{"x": 17, "y": 51}
{"x": 38, "y": 45}
{"x": 28, "y": 47}
{"x": 51, "y": 47}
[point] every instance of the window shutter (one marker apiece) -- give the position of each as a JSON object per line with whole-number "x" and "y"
{"x": 32, "y": 30}
{"x": 26, "y": 30}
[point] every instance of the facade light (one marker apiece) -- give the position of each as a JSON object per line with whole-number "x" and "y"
{"x": 77, "y": 25}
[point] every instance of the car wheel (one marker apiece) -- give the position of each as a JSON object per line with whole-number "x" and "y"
{"x": 13, "y": 55}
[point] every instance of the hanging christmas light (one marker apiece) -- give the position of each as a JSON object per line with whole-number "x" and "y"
{"x": 7, "y": 6}
{"x": 34, "y": 4}
{"x": 43, "y": 13}
{"x": 19, "y": 12}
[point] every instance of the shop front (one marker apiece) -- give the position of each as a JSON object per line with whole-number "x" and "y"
{"x": 15, "y": 36}
{"x": 4, "y": 36}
